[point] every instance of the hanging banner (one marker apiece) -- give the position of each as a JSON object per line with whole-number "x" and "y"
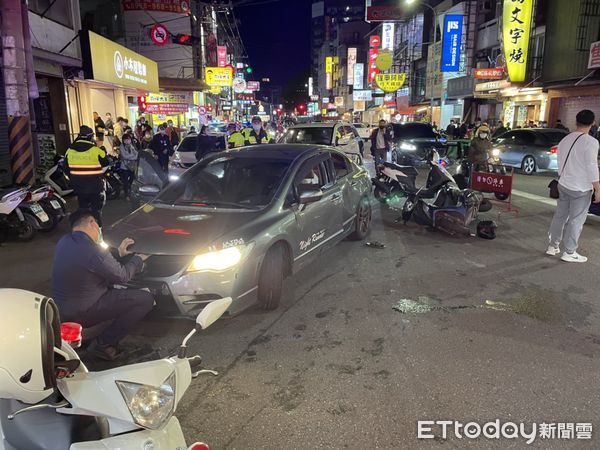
{"x": 451, "y": 39}
{"x": 221, "y": 55}
{"x": 359, "y": 74}
{"x": 390, "y": 82}
{"x": 516, "y": 27}
{"x": 373, "y": 70}
{"x": 387, "y": 36}
{"x": 594, "y": 59}
{"x": 218, "y": 76}
{"x": 351, "y": 64}
{"x": 174, "y": 6}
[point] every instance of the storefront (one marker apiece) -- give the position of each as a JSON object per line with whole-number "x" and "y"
{"x": 114, "y": 78}
{"x": 565, "y": 102}
{"x": 523, "y": 105}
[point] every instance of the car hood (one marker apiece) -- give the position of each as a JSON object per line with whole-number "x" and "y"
{"x": 179, "y": 231}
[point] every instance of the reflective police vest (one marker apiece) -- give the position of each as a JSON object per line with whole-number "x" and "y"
{"x": 84, "y": 163}
{"x": 251, "y": 138}
{"x": 236, "y": 139}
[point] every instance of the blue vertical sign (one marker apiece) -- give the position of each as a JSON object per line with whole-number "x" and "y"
{"x": 451, "y": 39}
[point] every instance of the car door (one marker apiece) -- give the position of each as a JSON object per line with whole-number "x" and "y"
{"x": 318, "y": 224}
{"x": 341, "y": 166}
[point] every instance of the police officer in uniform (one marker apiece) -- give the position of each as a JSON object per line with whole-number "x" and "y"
{"x": 234, "y": 137}
{"x": 84, "y": 163}
{"x": 256, "y": 134}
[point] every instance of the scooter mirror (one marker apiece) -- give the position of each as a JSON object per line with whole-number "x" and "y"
{"x": 212, "y": 312}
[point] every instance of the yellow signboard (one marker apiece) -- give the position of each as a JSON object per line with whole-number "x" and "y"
{"x": 384, "y": 60}
{"x": 112, "y": 63}
{"x": 390, "y": 82}
{"x": 516, "y": 19}
{"x": 329, "y": 64}
{"x": 218, "y": 76}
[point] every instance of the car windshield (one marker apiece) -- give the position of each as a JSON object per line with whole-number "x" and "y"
{"x": 413, "y": 131}
{"x": 232, "y": 181}
{"x": 207, "y": 144}
{"x": 308, "y": 135}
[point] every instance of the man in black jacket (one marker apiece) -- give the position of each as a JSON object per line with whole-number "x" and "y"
{"x": 161, "y": 147}
{"x": 83, "y": 275}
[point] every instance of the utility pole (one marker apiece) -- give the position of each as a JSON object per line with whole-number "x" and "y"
{"x": 16, "y": 89}
{"x": 197, "y": 30}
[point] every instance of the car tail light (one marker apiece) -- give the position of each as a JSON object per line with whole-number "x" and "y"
{"x": 70, "y": 332}
{"x": 199, "y": 446}
{"x": 554, "y": 150}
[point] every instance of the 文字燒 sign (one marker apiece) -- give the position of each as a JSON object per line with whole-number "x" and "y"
{"x": 515, "y": 33}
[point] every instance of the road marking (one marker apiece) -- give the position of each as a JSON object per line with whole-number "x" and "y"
{"x": 537, "y": 198}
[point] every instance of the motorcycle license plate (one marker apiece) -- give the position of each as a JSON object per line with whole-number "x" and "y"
{"x": 39, "y": 212}
{"x": 55, "y": 204}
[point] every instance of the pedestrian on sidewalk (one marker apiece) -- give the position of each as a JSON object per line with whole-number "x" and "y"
{"x": 578, "y": 179}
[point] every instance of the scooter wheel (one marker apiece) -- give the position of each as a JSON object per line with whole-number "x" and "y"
{"x": 379, "y": 195}
{"x": 27, "y": 232}
{"x": 500, "y": 196}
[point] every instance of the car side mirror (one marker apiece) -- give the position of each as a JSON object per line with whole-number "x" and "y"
{"x": 149, "y": 189}
{"x": 311, "y": 196}
{"x": 212, "y": 312}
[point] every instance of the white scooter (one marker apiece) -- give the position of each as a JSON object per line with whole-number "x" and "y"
{"x": 49, "y": 400}
{"x": 12, "y": 219}
{"x": 58, "y": 179}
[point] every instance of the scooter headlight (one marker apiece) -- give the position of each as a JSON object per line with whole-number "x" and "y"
{"x": 408, "y": 147}
{"x": 150, "y": 406}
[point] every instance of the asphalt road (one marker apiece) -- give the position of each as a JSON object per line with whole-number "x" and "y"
{"x": 490, "y": 330}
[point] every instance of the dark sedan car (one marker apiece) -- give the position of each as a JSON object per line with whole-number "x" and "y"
{"x": 529, "y": 149}
{"x": 412, "y": 141}
{"x": 237, "y": 222}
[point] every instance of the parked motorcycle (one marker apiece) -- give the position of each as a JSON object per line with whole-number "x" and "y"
{"x": 34, "y": 213}
{"x": 52, "y": 203}
{"x": 112, "y": 180}
{"x": 12, "y": 220}
{"x": 57, "y": 178}
{"x": 49, "y": 400}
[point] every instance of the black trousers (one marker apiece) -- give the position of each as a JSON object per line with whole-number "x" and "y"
{"x": 126, "y": 307}
{"x": 93, "y": 202}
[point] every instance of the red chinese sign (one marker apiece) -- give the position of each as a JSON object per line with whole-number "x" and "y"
{"x": 176, "y": 6}
{"x": 167, "y": 108}
{"x": 373, "y": 70}
{"x": 491, "y": 182}
{"x": 385, "y": 13}
{"x": 221, "y": 56}
{"x": 493, "y": 73}
{"x": 594, "y": 61}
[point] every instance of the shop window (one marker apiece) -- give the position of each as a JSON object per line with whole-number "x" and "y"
{"x": 57, "y": 10}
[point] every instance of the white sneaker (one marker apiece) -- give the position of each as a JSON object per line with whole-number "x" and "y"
{"x": 573, "y": 257}
{"x": 552, "y": 251}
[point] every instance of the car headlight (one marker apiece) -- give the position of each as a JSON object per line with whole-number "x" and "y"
{"x": 150, "y": 406}
{"x": 220, "y": 259}
{"x": 496, "y": 152}
{"x": 408, "y": 147}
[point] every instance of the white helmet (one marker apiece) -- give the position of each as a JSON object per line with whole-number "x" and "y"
{"x": 30, "y": 327}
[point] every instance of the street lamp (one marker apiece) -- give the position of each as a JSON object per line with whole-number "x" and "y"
{"x": 435, "y": 25}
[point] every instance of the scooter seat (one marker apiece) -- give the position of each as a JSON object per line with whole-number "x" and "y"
{"x": 408, "y": 170}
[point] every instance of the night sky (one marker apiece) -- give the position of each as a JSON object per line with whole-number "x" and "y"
{"x": 277, "y": 38}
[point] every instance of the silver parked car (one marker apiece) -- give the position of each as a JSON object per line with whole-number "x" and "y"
{"x": 529, "y": 149}
{"x": 236, "y": 223}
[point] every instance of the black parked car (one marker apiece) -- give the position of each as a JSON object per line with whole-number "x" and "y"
{"x": 412, "y": 141}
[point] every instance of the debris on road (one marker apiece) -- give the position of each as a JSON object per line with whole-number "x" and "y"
{"x": 375, "y": 244}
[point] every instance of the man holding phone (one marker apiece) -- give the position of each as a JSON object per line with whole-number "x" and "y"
{"x": 83, "y": 278}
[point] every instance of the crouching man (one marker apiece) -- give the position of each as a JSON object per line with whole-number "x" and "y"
{"x": 83, "y": 275}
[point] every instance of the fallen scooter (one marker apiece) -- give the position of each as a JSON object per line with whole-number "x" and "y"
{"x": 440, "y": 204}
{"x": 49, "y": 400}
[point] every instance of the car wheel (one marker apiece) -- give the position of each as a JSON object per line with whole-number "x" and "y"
{"x": 270, "y": 280}
{"x": 362, "y": 223}
{"x": 528, "y": 165}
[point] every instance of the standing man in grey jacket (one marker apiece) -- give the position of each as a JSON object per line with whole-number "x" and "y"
{"x": 83, "y": 275}
{"x": 577, "y": 181}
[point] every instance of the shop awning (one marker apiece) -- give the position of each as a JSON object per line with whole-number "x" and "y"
{"x": 182, "y": 84}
